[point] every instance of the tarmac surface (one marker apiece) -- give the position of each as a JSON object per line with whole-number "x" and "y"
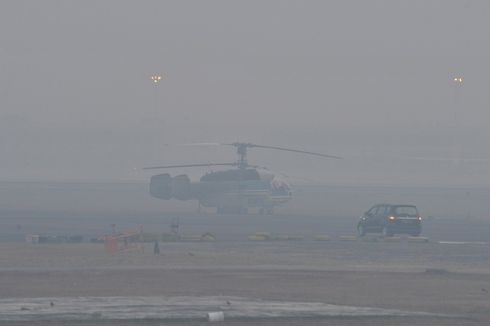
{"x": 181, "y": 308}
{"x": 299, "y": 269}
{"x": 340, "y": 281}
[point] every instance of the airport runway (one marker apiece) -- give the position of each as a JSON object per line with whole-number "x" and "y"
{"x": 15, "y": 224}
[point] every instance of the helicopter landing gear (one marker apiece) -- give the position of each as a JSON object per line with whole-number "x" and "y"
{"x": 231, "y": 210}
{"x": 266, "y": 210}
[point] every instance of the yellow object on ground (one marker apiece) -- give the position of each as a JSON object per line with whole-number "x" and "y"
{"x": 347, "y": 238}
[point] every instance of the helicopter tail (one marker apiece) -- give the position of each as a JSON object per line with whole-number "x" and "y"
{"x": 163, "y": 186}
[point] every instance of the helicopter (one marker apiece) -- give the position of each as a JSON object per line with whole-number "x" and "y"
{"x": 231, "y": 191}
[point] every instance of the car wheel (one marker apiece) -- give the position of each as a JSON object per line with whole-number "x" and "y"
{"x": 361, "y": 230}
{"x": 387, "y": 232}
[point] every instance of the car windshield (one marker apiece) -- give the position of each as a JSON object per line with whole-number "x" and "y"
{"x": 406, "y": 211}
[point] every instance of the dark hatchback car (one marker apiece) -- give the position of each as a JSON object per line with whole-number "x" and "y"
{"x": 390, "y": 220}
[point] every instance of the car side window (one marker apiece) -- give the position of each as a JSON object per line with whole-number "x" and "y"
{"x": 372, "y": 211}
{"x": 381, "y": 211}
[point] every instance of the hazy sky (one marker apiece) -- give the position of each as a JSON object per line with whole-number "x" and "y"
{"x": 368, "y": 80}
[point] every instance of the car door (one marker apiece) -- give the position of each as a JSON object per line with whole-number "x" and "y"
{"x": 380, "y": 216}
{"x": 370, "y": 217}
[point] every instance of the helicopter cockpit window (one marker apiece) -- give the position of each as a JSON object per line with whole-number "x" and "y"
{"x": 279, "y": 187}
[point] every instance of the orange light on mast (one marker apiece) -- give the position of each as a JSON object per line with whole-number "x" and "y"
{"x": 156, "y": 78}
{"x": 458, "y": 80}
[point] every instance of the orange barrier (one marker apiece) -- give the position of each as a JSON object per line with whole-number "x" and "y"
{"x": 126, "y": 241}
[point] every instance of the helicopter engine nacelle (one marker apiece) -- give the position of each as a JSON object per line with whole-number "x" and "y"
{"x": 161, "y": 186}
{"x": 181, "y": 187}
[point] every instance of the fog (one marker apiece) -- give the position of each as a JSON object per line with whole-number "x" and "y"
{"x": 398, "y": 89}
{"x": 371, "y": 81}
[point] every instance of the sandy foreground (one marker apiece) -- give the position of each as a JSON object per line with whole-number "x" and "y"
{"x": 451, "y": 281}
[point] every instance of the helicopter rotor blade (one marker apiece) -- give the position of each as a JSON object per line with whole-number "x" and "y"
{"x": 200, "y": 144}
{"x": 294, "y": 150}
{"x": 188, "y": 166}
{"x": 250, "y": 145}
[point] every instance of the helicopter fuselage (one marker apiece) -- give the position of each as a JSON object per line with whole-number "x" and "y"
{"x": 230, "y": 191}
